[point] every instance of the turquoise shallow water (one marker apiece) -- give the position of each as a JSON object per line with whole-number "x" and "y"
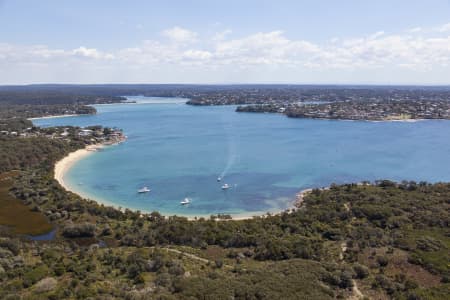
{"x": 179, "y": 150}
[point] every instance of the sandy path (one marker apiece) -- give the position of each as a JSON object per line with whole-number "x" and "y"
{"x": 193, "y": 256}
{"x": 356, "y": 293}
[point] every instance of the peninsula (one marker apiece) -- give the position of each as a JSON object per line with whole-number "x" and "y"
{"x": 359, "y": 110}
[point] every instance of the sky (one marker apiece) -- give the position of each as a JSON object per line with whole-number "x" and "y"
{"x": 223, "y": 42}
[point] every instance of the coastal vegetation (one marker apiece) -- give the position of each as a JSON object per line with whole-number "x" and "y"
{"x": 380, "y": 240}
{"x": 51, "y": 95}
{"x": 10, "y": 111}
{"x": 23, "y": 153}
{"x": 389, "y": 239}
{"x": 17, "y": 216}
{"x": 35, "y": 102}
{"x": 219, "y": 94}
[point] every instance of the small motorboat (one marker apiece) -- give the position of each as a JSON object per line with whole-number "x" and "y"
{"x": 226, "y": 186}
{"x": 219, "y": 179}
{"x": 185, "y": 201}
{"x": 144, "y": 190}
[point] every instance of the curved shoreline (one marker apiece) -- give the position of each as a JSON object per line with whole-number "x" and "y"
{"x": 54, "y": 117}
{"x": 66, "y": 163}
{"x": 62, "y": 166}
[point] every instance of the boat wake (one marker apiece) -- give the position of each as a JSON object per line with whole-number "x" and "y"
{"x": 233, "y": 156}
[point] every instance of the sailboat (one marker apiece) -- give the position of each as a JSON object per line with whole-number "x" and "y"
{"x": 185, "y": 201}
{"x": 143, "y": 190}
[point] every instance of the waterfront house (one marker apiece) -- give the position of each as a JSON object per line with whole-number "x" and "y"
{"x": 85, "y": 132}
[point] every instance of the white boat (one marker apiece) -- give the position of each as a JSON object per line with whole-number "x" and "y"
{"x": 144, "y": 190}
{"x": 225, "y": 186}
{"x": 219, "y": 179}
{"x": 185, "y": 201}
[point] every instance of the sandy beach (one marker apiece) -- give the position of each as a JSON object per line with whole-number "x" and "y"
{"x": 298, "y": 203}
{"x": 64, "y": 165}
{"x": 53, "y": 117}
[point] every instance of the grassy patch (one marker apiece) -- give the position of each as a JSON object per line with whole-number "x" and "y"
{"x": 15, "y": 214}
{"x": 435, "y": 293}
{"x": 434, "y": 257}
{"x": 294, "y": 279}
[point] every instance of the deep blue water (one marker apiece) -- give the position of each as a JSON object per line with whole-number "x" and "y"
{"x": 179, "y": 150}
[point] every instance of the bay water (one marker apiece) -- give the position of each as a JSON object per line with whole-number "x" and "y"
{"x": 179, "y": 151}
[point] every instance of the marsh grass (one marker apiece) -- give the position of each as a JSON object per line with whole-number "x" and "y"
{"x": 16, "y": 215}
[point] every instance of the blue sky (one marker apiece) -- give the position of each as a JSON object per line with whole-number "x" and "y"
{"x": 347, "y": 41}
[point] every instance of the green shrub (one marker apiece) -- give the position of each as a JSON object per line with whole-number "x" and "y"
{"x": 361, "y": 271}
{"x": 34, "y": 275}
{"x": 382, "y": 261}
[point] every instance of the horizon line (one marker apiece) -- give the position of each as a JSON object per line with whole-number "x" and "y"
{"x": 235, "y": 83}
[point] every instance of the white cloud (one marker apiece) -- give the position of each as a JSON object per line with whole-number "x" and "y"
{"x": 91, "y": 53}
{"x": 180, "y": 35}
{"x": 378, "y": 51}
{"x": 43, "y": 51}
{"x": 197, "y": 55}
{"x": 444, "y": 28}
{"x": 263, "y": 48}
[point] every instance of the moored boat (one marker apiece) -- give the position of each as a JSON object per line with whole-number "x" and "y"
{"x": 185, "y": 201}
{"x": 143, "y": 190}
